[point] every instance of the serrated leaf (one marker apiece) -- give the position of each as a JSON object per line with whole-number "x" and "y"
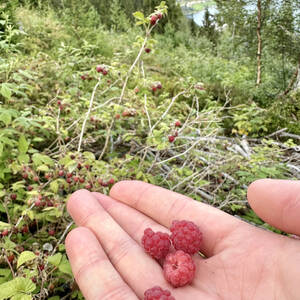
{"x": 65, "y": 160}
{"x": 24, "y": 257}
{"x": 40, "y": 159}
{"x": 4, "y": 275}
{"x": 55, "y": 259}
{"x": 43, "y": 168}
{"x": 5, "y": 117}
{"x": 21, "y": 297}
{"x": 26, "y": 74}
{"x": 23, "y": 145}
{"x": 4, "y": 225}
{"x": 5, "y": 91}
{"x": 8, "y": 244}
{"x": 89, "y": 155}
{"x": 24, "y": 158}
{"x": 16, "y": 286}
{"x": 139, "y": 15}
{"x": 18, "y": 185}
{"x": 65, "y": 266}
{"x": 139, "y": 175}
{"x": 54, "y": 185}
{"x": 30, "y": 214}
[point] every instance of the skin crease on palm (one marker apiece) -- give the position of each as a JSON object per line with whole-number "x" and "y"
{"x": 242, "y": 262}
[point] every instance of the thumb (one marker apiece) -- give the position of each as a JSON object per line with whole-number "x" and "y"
{"x": 277, "y": 202}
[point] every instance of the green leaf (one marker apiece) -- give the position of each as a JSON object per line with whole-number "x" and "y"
{"x": 40, "y": 159}
{"x": 4, "y": 275}
{"x": 5, "y": 90}
{"x": 17, "y": 185}
{"x": 55, "y": 259}
{"x": 54, "y": 185}
{"x": 65, "y": 266}
{"x": 24, "y": 257}
{"x": 21, "y": 297}
{"x": 26, "y": 74}
{"x": 30, "y": 214}
{"x": 16, "y": 286}
{"x": 24, "y": 158}
{"x": 8, "y": 244}
{"x": 139, "y": 15}
{"x": 23, "y": 145}
{"x": 89, "y": 155}
{"x": 5, "y": 117}
{"x": 4, "y": 225}
{"x": 43, "y": 168}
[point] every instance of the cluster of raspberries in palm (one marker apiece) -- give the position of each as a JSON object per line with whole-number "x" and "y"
{"x": 175, "y": 252}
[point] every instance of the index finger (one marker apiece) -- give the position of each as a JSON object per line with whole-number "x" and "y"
{"x": 164, "y": 206}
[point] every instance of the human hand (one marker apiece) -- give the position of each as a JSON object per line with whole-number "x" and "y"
{"x": 243, "y": 261}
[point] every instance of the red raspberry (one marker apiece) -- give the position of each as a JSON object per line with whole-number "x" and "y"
{"x": 159, "y": 15}
{"x": 177, "y": 124}
{"x": 179, "y": 268}
{"x": 41, "y": 267}
{"x": 111, "y": 181}
{"x": 171, "y": 138}
{"x": 157, "y": 293}
{"x": 5, "y": 232}
{"x": 11, "y": 258}
{"x": 157, "y": 244}
{"x": 13, "y": 196}
{"x": 37, "y": 203}
{"x": 99, "y": 69}
{"x": 153, "y": 20}
{"x": 186, "y": 236}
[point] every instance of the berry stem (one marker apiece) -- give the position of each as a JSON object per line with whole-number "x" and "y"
{"x": 148, "y": 31}
{"x": 87, "y": 114}
{"x": 167, "y": 110}
{"x": 8, "y": 262}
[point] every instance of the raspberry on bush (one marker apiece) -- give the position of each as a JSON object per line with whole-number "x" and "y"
{"x": 157, "y": 293}
{"x": 186, "y": 236}
{"x": 157, "y": 244}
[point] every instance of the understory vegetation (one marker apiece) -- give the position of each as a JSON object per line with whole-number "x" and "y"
{"x": 88, "y": 100}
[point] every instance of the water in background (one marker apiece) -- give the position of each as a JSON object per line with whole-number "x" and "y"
{"x": 198, "y": 16}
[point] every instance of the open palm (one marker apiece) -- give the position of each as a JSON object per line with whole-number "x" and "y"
{"x": 242, "y": 262}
